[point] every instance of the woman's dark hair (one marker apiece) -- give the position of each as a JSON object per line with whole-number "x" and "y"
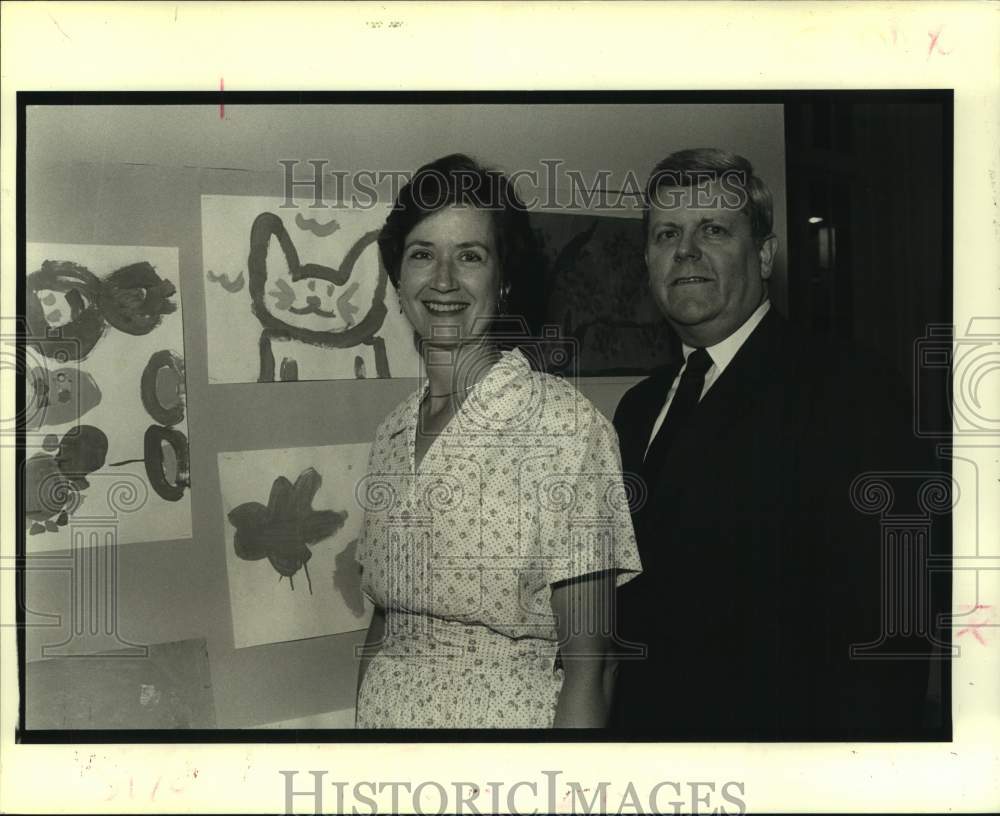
{"x": 458, "y": 179}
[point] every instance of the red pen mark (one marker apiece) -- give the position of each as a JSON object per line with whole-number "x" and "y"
{"x": 152, "y": 795}
{"x": 222, "y": 105}
{"x": 973, "y": 628}
{"x": 934, "y": 37}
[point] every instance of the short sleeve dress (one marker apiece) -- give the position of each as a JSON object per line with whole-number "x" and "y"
{"x": 522, "y": 489}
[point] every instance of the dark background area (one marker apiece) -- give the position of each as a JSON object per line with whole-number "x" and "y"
{"x": 877, "y": 268}
{"x": 869, "y": 247}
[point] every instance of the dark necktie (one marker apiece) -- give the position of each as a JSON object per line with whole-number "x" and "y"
{"x": 681, "y": 408}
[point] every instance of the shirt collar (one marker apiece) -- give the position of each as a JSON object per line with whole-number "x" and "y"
{"x": 722, "y": 353}
{"x": 509, "y": 369}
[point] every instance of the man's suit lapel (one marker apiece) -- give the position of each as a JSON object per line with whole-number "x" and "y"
{"x": 754, "y": 365}
{"x": 729, "y": 398}
{"x": 647, "y": 402}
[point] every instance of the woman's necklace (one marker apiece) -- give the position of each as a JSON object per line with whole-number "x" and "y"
{"x": 451, "y": 393}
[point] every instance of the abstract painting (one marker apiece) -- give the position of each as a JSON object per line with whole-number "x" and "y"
{"x": 105, "y": 419}
{"x": 292, "y": 525}
{"x": 293, "y": 293}
{"x": 596, "y": 292}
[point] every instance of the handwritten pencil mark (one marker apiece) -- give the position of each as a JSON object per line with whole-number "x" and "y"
{"x": 56, "y": 24}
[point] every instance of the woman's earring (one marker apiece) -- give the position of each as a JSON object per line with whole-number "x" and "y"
{"x": 502, "y": 300}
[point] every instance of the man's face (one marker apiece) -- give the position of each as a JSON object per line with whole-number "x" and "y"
{"x": 706, "y": 272}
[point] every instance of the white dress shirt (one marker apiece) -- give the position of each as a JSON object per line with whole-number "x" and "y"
{"x": 722, "y": 354}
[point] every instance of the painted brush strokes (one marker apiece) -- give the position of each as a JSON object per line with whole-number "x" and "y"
{"x": 286, "y": 529}
{"x": 317, "y": 304}
{"x": 105, "y": 421}
{"x": 596, "y": 292}
{"x": 291, "y": 524}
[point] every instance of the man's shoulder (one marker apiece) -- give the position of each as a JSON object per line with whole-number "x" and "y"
{"x": 636, "y": 400}
{"x": 805, "y": 355}
{"x": 842, "y": 384}
{"x": 838, "y": 360}
{"x": 652, "y": 383}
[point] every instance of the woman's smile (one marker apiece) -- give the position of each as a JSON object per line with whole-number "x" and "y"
{"x": 442, "y": 307}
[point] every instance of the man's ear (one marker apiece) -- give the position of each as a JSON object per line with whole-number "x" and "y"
{"x": 767, "y": 252}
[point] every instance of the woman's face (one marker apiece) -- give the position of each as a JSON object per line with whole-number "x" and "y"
{"x": 450, "y": 275}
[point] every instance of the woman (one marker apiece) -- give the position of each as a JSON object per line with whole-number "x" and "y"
{"x": 495, "y": 528}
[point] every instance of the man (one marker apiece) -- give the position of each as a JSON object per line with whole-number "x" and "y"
{"x": 759, "y": 574}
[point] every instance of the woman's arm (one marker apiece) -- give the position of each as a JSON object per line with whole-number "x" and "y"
{"x": 582, "y": 607}
{"x": 373, "y": 640}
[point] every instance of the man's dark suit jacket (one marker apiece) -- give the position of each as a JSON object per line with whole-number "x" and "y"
{"x": 758, "y": 571}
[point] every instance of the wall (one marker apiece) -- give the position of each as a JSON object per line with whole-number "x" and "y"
{"x": 134, "y": 176}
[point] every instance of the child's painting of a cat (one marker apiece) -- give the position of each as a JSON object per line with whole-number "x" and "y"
{"x": 296, "y": 293}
